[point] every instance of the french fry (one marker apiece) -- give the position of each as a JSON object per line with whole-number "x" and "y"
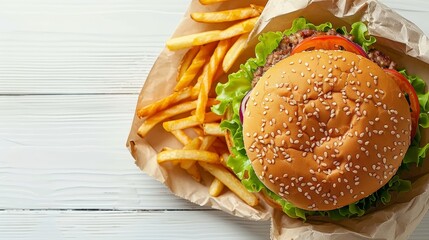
{"x": 222, "y": 150}
{"x": 224, "y": 158}
{"x": 207, "y": 2}
{"x": 211, "y": 117}
{"x": 213, "y": 129}
{"x": 181, "y": 123}
{"x": 165, "y": 114}
{"x": 181, "y": 136}
{"x": 217, "y": 75}
{"x": 206, "y": 81}
{"x": 192, "y": 169}
{"x": 202, "y": 38}
{"x": 227, "y": 15}
{"x": 231, "y": 182}
{"x": 193, "y": 145}
{"x": 188, "y": 122}
{"x": 228, "y": 140}
{"x": 194, "y": 172}
{"x": 201, "y": 103}
{"x": 205, "y": 145}
{"x": 207, "y": 142}
{"x": 186, "y": 61}
{"x": 167, "y": 149}
{"x": 166, "y": 102}
{"x": 216, "y": 188}
{"x": 197, "y": 64}
{"x": 216, "y": 78}
{"x": 186, "y": 41}
{"x": 198, "y": 131}
{"x": 234, "y": 52}
{"x": 194, "y": 155}
{"x": 235, "y": 30}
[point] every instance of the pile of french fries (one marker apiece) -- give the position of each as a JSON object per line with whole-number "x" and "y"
{"x": 186, "y": 114}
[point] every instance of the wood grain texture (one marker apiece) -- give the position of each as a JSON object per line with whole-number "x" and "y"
{"x": 128, "y": 225}
{"x": 82, "y": 46}
{"x": 68, "y": 151}
{"x": 70, "y": 72}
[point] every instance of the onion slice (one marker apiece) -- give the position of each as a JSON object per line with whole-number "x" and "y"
{"x": 243, "y": 105}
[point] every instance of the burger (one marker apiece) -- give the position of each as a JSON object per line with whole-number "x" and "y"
{"x": 323, "y": 123}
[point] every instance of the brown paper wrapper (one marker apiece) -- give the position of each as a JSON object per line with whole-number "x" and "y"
{"x": 396, "y": 36}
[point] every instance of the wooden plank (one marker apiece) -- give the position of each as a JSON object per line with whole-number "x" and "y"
{"x": 68, "y": 152}
{"x": 83, "y": 7}
{"x": 66, "y": 120}
{"x": 80, "y": 47}
{"x": 138, "y": 225}
{"x": 88, "y": 179}
{"x": 129, "y": 225}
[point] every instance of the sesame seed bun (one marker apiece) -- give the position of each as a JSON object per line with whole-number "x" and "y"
{"x": 324, "y": 129}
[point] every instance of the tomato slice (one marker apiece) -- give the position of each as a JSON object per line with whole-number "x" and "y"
{"x": 328, "y": 42}
{"x": 407, "y": 88}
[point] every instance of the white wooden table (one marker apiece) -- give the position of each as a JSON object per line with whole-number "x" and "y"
{"x": 70, "y": 74}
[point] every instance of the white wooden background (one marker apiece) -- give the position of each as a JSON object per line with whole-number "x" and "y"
{"x": 70, "y": 73}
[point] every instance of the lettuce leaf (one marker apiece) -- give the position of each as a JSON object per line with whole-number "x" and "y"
{"x": 359, "y": 31}
{"x": 416, "y": 153}
{"x": 302, "y": 23}
{"x": 231, "y": 93}
{"x": 361, "y": 37}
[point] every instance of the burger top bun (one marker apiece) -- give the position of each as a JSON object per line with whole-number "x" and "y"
{"x": 324, "y": 129}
